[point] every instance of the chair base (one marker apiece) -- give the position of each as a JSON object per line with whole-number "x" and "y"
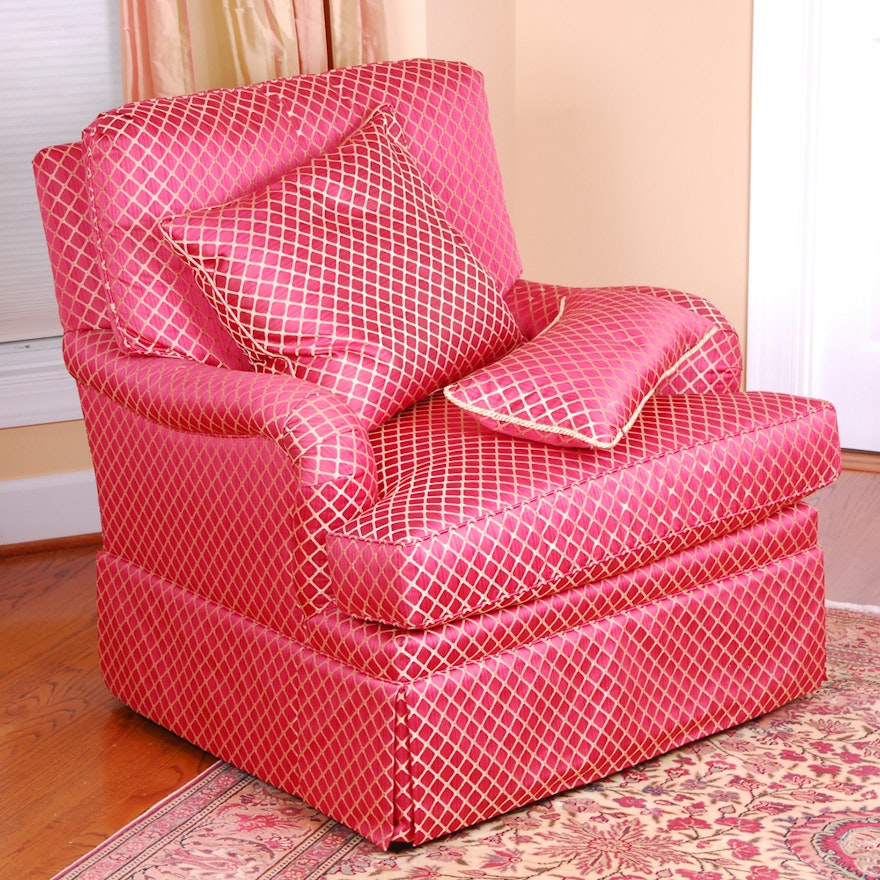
{"x": 415, "y": 759}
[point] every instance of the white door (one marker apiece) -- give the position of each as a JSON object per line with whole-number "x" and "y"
{"x": 814, "y": 279}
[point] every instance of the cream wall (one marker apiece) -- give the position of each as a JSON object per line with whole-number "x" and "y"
{"x": 483, "y": 33}
{"x": 36, "y": 450}
{"x": 623, "y": 135}
{"x": 632, "y": 144}
{"x": 623, "y": 130}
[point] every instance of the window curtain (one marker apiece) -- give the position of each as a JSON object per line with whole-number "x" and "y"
{"x": 174, "y": 47}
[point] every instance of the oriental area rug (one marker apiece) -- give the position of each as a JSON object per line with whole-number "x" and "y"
{"x": 793, "y": 795}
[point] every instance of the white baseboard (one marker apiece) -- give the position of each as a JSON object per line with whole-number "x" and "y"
{"x": 53, "y": 506}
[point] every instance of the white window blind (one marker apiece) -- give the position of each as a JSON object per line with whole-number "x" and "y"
{"x": 60, "y": 67}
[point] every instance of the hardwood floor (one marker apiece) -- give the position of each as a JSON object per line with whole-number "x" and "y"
{"x": 849, "y": 526}
{"x": 75, "y": 765}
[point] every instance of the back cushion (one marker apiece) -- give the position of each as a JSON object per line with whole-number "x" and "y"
{"x": 152, "y": 159}
{"x": 345, "y": 272}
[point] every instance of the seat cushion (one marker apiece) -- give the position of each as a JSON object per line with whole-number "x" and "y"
{"x": 584, "y": 380}
{"x": 345, "y": 272}
{"x": 468, "y": 519}
{"x": 405, "y": 655}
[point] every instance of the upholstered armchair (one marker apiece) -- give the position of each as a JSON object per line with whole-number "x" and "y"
{"x": 384, "y": 523}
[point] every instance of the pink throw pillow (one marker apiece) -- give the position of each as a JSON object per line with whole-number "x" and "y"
{"x": 346, "y": 273}
{"x": 584, "y": 380}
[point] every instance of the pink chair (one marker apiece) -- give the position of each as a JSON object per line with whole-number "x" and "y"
{"x": 385, "y": 524}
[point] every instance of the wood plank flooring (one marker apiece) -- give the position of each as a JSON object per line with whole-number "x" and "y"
{"x": 849, "y": 532}
{"x": 75, "y": 765}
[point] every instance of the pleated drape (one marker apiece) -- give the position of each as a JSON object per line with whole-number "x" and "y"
{"x": 174, "y": 47}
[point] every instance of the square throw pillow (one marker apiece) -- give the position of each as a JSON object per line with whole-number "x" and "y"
{"x": 584, "y": 380}
{"x": 346, "y": 273}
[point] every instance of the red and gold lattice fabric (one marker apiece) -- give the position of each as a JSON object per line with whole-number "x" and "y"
{"x": 154, "y": 159}
{"x": 423, "y": 624}
{"x": 345, "y": 272}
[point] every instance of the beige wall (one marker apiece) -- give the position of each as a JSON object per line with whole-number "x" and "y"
{"x": 623, "y": 131}
{"x": 37, "y": 450}
{"x": 632, "y": 144}
{"x": 623, "y": 134}
{"x": 483, "y": 34}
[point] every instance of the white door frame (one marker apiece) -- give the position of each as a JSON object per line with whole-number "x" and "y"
{"x": 783, "y": 166}
{"x": 814, "y": 269}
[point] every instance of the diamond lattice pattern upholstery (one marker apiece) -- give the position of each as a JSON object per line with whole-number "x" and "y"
{"x": 345, "y": 272}
{"x": 416, "y": 620}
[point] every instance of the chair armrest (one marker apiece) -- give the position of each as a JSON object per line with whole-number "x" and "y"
{"x": 187, "y": 396}
{"x": 716, "y": 367}
{"x": 219, "y": 481}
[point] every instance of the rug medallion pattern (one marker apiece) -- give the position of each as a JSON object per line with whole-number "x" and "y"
{"x": 794, "y": 794}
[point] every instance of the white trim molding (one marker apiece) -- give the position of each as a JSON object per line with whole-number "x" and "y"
{"x": 51, "y": 506}
{"x": 35, "y": 387}
{"x": 783, "y": 167}
{"x": 814, "y": 271}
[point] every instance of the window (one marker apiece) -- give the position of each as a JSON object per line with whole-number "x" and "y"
{"x": 60, "y": 68}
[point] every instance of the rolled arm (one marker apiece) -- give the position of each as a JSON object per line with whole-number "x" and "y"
{"x": 218, "y": 481}
{"x": 302, "y": 418}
